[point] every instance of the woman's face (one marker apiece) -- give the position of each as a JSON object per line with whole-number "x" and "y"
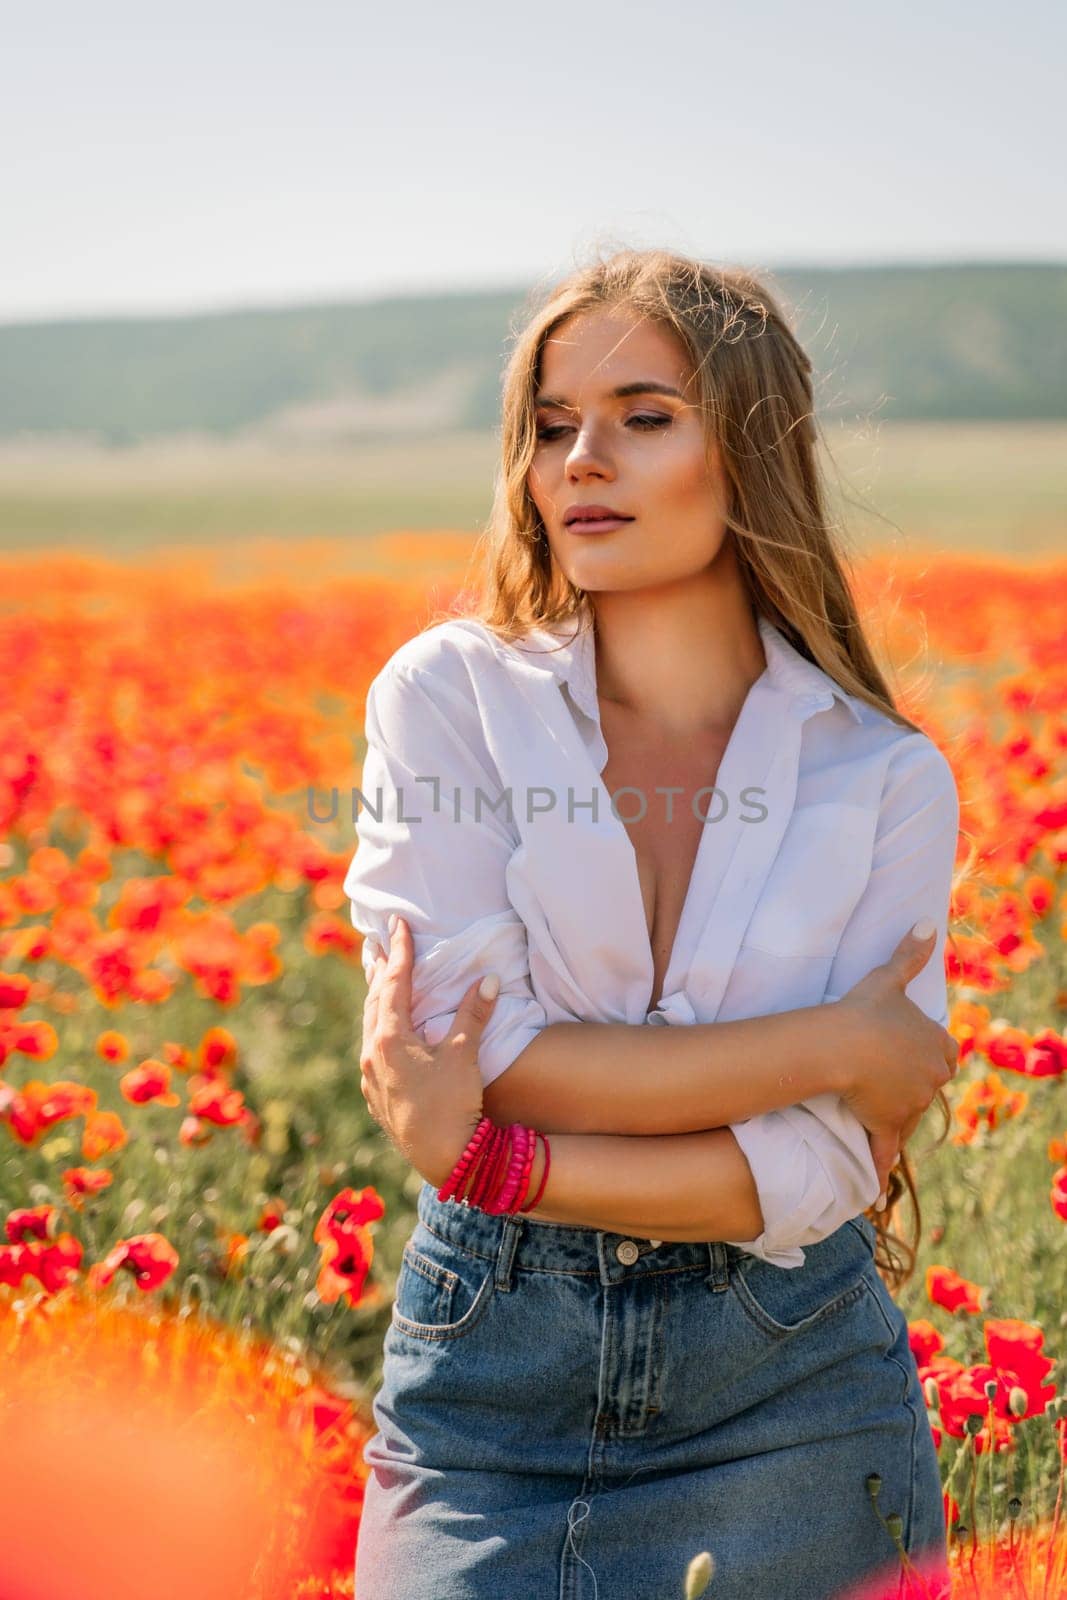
{"x": 640, "y": 454}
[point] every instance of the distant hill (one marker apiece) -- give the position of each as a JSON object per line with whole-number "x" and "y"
{"x": 980, "y": 341}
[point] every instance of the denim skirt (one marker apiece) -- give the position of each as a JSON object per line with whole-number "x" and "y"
{"x": 571, "y": 1414}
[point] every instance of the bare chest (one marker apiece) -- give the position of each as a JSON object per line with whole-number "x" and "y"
{"x": 665, "y": 828}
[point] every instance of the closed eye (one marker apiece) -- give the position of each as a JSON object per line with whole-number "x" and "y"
{"x": 647, "y": 423}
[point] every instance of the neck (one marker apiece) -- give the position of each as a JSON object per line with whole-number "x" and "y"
{"x": 681, "y": 658}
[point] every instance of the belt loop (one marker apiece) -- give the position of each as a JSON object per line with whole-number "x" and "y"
{"x": 718, "y": 1277}
{"x": 510, "y": 1235}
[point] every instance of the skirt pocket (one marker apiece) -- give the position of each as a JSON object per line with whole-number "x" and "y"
{"x": 783, "y": 1301}
{"x": 442, "y": 1291}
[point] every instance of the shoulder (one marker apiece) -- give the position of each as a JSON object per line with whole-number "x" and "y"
{"x": 898, "y": 775}
{"x": 919, "y": 782}
{"x": 449, "y": 654}
{"x": 914, "y": 756}
{"x": 445, "y": 682}
{"x": 907, "y": 755}
{"x": 445, "y": 646}
{"x": 870, "y": 757}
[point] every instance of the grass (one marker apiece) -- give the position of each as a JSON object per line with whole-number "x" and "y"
{"x": 975, "y": 486}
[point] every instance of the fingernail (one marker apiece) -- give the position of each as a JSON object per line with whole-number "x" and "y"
{"x": 489, "y": 987}
{"x": 924, "y": 928}
{"x": 880, "y": 1203}
{"x": 392, "y": 923}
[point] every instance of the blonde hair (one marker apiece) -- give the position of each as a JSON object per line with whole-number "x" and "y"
{"x": 753, "y": 384}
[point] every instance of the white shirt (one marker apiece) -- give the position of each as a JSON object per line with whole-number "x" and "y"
{"x": 857, "y": 842}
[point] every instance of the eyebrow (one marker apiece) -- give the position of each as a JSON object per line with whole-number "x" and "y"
{"x": 642, "y": 386}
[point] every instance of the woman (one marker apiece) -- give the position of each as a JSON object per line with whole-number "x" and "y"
{"x": 685, "y": 1344}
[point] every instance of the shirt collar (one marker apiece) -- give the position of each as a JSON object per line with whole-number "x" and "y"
{"x": 571, "y": 656}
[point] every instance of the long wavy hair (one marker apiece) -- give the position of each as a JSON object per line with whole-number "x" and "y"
{"x": 753, "y": 383}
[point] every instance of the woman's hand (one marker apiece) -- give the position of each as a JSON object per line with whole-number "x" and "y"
{"x": 428, "y": 1100}
{"x": 898, "y": 1057}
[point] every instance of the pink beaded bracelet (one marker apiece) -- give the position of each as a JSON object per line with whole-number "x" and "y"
{"x": 495, "y": 1168}
{"x": 455, "y": 1178}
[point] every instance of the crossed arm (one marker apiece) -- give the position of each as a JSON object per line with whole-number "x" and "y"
{"x": 715, "y": 1131}
{"x": 637, "y": 1116}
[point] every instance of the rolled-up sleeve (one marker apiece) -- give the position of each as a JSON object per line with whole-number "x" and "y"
{"x": 433, "y": 852}
{"x": 812, "y": 1162}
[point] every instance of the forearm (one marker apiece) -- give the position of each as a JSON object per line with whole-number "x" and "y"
{"x": 681, "y": 1186}
{"x": 621, "y": 1078}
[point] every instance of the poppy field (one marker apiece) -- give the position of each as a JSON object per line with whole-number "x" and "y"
{"x": 202, "y": 1226}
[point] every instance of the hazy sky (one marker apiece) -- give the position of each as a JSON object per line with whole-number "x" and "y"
{"x": 205, "y": 155}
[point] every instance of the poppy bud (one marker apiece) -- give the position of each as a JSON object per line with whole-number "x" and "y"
{"x": 698, "y": 1575}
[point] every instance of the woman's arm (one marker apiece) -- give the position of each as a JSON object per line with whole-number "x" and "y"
{"x": 682, "y": 1186}
{"x": 615, "y": 1078}
{"x": 578, "y": 1077}
{"x": 809, "y": 1164}
{"x": 444, "y": 870}
{"x": 428, "y": 852}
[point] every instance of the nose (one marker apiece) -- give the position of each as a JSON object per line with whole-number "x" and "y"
{"x": 587, "y": 456}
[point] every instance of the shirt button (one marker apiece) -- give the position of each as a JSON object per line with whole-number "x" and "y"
{"x": 627, "y": 1252}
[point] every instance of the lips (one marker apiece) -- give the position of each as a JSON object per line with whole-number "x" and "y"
{"x": 603, "y": 525}
{"x": 591, "y": 515}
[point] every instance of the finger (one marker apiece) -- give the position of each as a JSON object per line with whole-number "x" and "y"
{"x": 370, "y": 1014}
{"x": 370, "y": 1002}
{"x": 883, "y": 1184}
{"x": 475, "y": 1009}
{"x": 913, "y": 951}
{"x": 909, "y": 1128}
{"x": 394, "y": 1004}
{"x": 373, "y": 953}
{"x": 884, "y": 1154}
{"x": 374, "y": 976}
